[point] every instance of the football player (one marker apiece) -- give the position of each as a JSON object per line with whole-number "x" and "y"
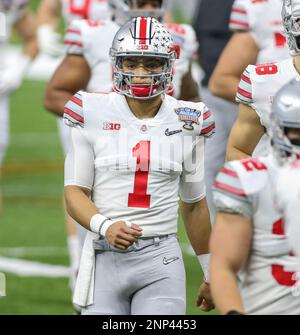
{"x": 257, "y": 39}
{"x": 249, "y": 240}
{"x": 90, "y": 64}
{"x": 87, "y": 64}
{"x": 258, "y": 85}
{"x": 49, "y": 13}
{"x": 131, "y": 152}
{"x": 18, "y": 17}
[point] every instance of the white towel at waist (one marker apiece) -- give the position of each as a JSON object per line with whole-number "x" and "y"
{"x": 84, "y": 288}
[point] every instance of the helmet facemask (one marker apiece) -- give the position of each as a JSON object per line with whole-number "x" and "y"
{"x": 285, "y": 122}
{"x": 285, "y": 148}
{"x": 147, "y": 41}
{"x": 143, "y": 86}
{"x": 291, "y": 24}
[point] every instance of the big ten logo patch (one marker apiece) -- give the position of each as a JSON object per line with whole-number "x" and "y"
{"x": 2, "y": 285}
{"x": 111, "y": 126}
{"x": 2, "y": 25}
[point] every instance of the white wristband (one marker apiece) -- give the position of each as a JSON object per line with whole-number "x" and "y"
{"x": 204, "y": 261}
{"x": 99, "y": 224}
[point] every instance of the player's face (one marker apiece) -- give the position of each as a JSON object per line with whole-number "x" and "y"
{"x": 145, "y": 4}
{"x": 142, "y": 66}
{"x": 294, "y": 135}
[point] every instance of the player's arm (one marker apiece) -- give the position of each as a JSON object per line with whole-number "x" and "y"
{"x": 230, "y": 239}
{"x": 229, "y": 246}
{"x": 79, "y": 180}
{"x": 245, "y": 134}
{"x": 197, "y": 224}
{"x": 240, "y": 51}
{"x": 196, "y": 216}
{"x": 189, "y": 87}
{"x": 26, "y": 28}
{"x": 72, "y": 75}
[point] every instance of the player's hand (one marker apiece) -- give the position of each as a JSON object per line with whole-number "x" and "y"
{"x": 11, "y": 76}
{"x": 205, "y": 301}
{"x": 9, "y": 82}
{"x": 119, "y": 235}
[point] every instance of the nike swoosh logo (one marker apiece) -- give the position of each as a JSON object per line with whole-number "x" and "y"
{"x": 172, "y": 132}
{"x": 168, "y": 261}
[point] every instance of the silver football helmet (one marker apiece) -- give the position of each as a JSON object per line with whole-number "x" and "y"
{"x": 143, "y": 37}
{"x": 286, "y": 115}
{"x": 291, "y": 23}
{"x": 124, "y": 10}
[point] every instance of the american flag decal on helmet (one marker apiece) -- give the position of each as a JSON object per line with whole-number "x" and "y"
{"x": 143, "y": 30}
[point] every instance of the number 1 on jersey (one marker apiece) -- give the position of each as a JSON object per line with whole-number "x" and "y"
{"x": 139, "y": 198}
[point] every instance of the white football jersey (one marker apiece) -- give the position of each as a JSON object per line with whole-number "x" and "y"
{"x": 263, "y": 20}
{"x": 136, "y": 168}
{"x": 93, "y": 39}
{"x": 85, "y": 9}
{"x": 257, "y": 88}
{"x": 288, "y": 198}
{"x": 267, "y": 281}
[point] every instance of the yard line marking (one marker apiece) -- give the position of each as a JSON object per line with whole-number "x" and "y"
{"x": 34, "y": 251}
{"x": 26, "y": 268}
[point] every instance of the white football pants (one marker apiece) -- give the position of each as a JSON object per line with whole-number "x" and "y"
{"x": 149, "y": 280}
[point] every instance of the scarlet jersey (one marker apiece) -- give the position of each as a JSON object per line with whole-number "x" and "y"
{"x": 257, "y": 88}
{"x": 263, "y": 20}
{"x": 93, "y": 39}
{"x": 136, "y": 168}
{"x": 288, "y": 199}
{"x": 85, "y": 9}
{"x": 247, "y": 188}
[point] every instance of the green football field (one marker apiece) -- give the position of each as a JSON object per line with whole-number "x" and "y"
{"x": 32, "y": 230}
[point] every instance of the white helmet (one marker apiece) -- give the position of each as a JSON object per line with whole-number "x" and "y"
{"x": 291, "y": 23}
{"x": 143, "y": 37}
{"x": 286, "y": 115}
{"x": 124, "y": 10}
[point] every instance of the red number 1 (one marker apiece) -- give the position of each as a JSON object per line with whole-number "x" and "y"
{"x": 139, "y": 198}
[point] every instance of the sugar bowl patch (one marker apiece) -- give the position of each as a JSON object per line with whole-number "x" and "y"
{"x": 189, "y": 116}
